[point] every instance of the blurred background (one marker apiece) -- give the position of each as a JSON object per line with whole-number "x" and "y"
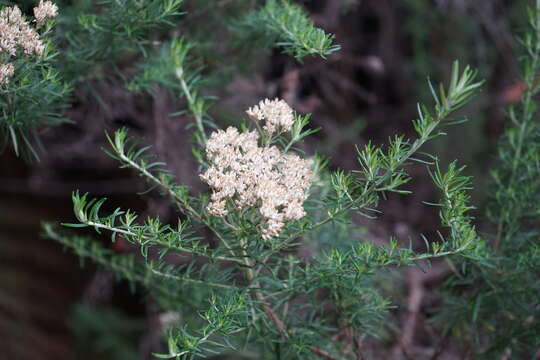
{"x": 366, "y": 91}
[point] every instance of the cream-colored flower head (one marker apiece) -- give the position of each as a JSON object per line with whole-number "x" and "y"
{"x": 277, "y": 114}
{"x": 244, "y": 174}
{"x": 45, "y": 10}
{"x": 6, "y": 71}
{"x": 17, "y": 34}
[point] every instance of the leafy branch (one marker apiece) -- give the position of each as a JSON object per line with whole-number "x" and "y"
{"x": 285, "y": 24}
{"x": 150, "y": 233}
{"x": 382, "y": 172}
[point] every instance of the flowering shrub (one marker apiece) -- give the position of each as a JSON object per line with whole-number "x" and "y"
{"x": 17, "y": 32}
{"x": 230, "y": 273}
{"x": 31, "y": 93}
{"x": 264, "y": 201}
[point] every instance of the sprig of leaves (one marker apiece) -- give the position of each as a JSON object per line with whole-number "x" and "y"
{"x": 283, "y": 24}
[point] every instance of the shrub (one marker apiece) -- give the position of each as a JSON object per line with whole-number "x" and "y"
{"x": 230, "y": 273}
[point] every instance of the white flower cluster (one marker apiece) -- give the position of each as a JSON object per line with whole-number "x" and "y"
{"x": 16, "y": 33}
{"x": 277, "y": 114}
{"x": 45, "y": 10}
{"x": 247, "y": 175}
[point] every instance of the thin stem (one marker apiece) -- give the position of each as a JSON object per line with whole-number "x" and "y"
{"x": 132, "y": 234}
{"x": 116, "y": 267}
{"x": 196, "y": 112}
{"x": 201, "y": 282}
{"x": 150, "y": 176}
{"x": 293, "y": 140}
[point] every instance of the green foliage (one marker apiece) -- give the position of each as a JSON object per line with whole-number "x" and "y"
{"x": 86, "y": 36}
{"x": 96, "y": 39}
{"x": 231, "y": 290}
{"x": 223, "y": 318}
{"x": 35, "y": 96}
{"x": 258, "y": 296}
{"x": 497, "y": 302}
{"x": 156, "y": 278}
{"x": 284, "y": 24}
{"x": 93, "y": 35}
{"x": 270, "y": 299}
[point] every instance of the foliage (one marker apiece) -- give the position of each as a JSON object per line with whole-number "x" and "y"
{"x": 284, "y": 24}
{"x": 505, "y": 290}
{"x": 94, "y": 36}
{"x": 93, "y": 40}
{"x": 270, "y": 300}
{"x": 34, "y": 96}
{"x": 227, "y": 287}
